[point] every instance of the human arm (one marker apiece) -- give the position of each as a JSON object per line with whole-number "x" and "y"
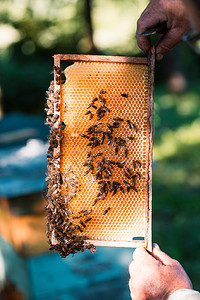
{"x": 157, "y": 276}
{"x": 171, "y": 12}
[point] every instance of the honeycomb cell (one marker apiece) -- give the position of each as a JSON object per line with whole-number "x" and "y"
{"x": 121, "y": 216}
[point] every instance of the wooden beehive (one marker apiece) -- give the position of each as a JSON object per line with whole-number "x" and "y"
{"x": 100, "y": 155}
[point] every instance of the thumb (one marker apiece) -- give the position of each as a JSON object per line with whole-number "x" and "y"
{"x": 140, "y": 254}
{"x": 161, "y": 256}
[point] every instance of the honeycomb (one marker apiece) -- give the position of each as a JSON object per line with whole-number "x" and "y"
{"x": 122, "y": 214}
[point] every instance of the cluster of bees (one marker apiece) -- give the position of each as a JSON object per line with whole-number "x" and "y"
{"x": 72, "y": 187}
{"x": 62, "y": 222}
{"x": 101, "y": 168}
{"x": 59, "y": 226}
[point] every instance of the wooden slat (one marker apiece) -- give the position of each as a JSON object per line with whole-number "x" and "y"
{"x": 151, "y": 66}
{"x": 100, "y": 58}
{"x": 127, "y": 244}
{"x": 56, "y": 67}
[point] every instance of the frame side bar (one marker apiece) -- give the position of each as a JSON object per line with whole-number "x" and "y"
{"x": 151, "y": 65}
{"x": 100, "y": 58}
{"x": 57, "y": 68}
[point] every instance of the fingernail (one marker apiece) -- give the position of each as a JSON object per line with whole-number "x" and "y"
{"x": 159, "y": 56}
{"x": 156, "y": 246}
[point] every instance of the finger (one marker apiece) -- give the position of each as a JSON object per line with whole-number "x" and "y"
{"x": 131, "y": 289}
{"x": 161, "y": 256}
{"x": 144, "y": 43}
{"x": 155, "y": 246}
{"x": 129, "y": 284}
{"x": 131, "y": 268}
{"x": 146, "y": 21}
{"x": 141, "y": 255}
{"x": 167, "y": 42}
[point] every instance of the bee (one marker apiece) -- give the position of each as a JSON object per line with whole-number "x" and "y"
{"x": 128, "y": 170}
{"x": 88, "y": 112}
{"x": 138, "y": 175}
{"x": 102, "y": 139}
{"x": 115, "y": 141}
{"x": 131, "y": 138}
{"x": 126, "y": 183}
{"x": 121, "y": 189}
{"x": 124, "y": 95}
{"x": 99, "y": 154}
{"x": 114, "y": 191}
{"x": 54, "y": 143}
{"x": 121, "y": 142}
{"x": 127, "y": 175}
{"x": 109, "y": 140}
{"x": 89, "y": 154}
{"x": 108, "y": 173}
{"x": 70, "y": 198}
{"x": 126, "y": 153}
{"x": 106, "y": 210}
{"x": 82, "y": 211}
{"x": 98, "y": 131}
{"x": 88, "y": 219}
{"x": 110, "y": 162}
{"x": 103, "y": 92}
{"x": 91, "y": 116}
{"x": 115, "y": 183}
{"x": 79, "y": 228}
{"x": 91, "y": 129}
{"x": 109, "y": 126}
{"x": 86, "y": 173}
{"x": 98, "y": 124}
{"x": 57, "y": 106}
{"x": 134, "y": 188}
{"x": 70, "y": 211}
{"x": 118, "y": 119}
{"x": 87, "y": 212}
{"x": 134, "y": 127}
{"x": 138, "y": 163}
{"x": 76, "y": 217}
{"x": 115, "y": 124}
{"x": 134, "y": 164}
{"x": 84, "y": 136}
{"x": 65, "y": 108}
{"x": 57, "y": 69}
{"x": 103, "y": 101}
{"x": 89, "y": 144}
{"x": 129, "y": 124}
{"x": 89, "y": 105}
{"x": 101, "y": 116}
{"x": 120, "y": 164}
{"x": 106, "y": 108}
{"x": 94, "y": 99}
{"x": 83, "y": 224}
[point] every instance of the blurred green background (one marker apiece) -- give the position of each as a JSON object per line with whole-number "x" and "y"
{"x": 32, "y": 31}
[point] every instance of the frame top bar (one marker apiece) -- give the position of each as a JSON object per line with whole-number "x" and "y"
{"x": 100, "y": 58}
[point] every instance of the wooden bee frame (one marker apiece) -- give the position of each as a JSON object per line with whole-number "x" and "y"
{"x": 56, "y": 205}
